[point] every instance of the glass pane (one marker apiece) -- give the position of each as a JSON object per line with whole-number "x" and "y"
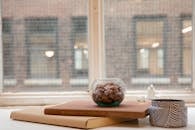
{"x": 143, "y": 59}
{"x": 160, "y": 58}
{"x": 45, "y": 45}
{"x": 187, "y": 46}
{"x": 7, "y": 49}
{"x": 145, "y": 42}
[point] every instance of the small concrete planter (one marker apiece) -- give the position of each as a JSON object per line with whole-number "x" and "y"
{"x": 168, "y": 113}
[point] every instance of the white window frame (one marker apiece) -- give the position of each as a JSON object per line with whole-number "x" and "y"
{"x": 96, "y": 68}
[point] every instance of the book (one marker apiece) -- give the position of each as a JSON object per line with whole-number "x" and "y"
{"x": 128, "y": 109}
{"x": 37, "y": 115}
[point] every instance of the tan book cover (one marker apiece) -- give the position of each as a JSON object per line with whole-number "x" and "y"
{"x": 127, "y": 109}
{"x": 37, "y": 115}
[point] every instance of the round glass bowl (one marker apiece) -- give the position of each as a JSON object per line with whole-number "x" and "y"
{"x": 108, "y": 92}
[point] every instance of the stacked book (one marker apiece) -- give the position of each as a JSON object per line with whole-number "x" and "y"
{"x": 83, "y": 114}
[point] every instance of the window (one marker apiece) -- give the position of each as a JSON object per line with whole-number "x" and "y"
{"x": 140, "y": 41}
{"x": 48, "y": 50}
{"x": 186, "y": 45}
{"x": 143, "y": 43}
{"x": 42, "y": 51}
{"x": 80, "y": 46}
{"x": 8, "y": 47}
{"x": 149, "y": 34}
{"x": 186, "y": 60}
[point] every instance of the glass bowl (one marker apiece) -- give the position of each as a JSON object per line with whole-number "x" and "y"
{"x": 108, "y": 92}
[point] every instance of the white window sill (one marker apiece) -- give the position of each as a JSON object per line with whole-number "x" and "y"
{"x": 42, "y": 98}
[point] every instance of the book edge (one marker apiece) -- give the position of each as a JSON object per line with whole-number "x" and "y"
{"x": 68, "y": 112}
{"x": 27, "y": 117}
{"x": 94, "y": 123}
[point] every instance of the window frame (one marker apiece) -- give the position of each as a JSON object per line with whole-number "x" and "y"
{"x": 96, "y": 68}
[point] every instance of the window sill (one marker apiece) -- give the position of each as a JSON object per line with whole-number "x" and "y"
{"x": 44, "y": 98}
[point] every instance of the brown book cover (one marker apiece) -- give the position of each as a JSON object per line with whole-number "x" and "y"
{"x": 128, "y": 109}
{"x": 37, "y": 115}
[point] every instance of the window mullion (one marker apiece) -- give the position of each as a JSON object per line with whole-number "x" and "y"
{"x": 96, "y": 41}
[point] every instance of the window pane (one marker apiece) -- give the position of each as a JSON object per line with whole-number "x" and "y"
{"x": 80, "y": 47}
{"x": 160, "y": 58}
{"x": 45, "y": 45}
{"x": 8, "y": 62}
{"x": 187, "y": 46}
{"x": 142, "y": 60}
{"x": 145, "y": 43}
